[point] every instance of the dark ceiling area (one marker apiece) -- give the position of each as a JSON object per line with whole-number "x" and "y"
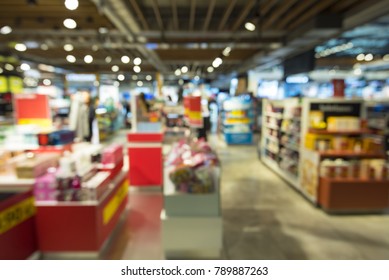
{"x": 169, "y": 34}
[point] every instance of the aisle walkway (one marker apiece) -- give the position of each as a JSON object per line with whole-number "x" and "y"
{"x": 263, "y": 217}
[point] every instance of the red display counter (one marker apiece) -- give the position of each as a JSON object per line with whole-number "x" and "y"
{"x": 17, "y": 225}
{"x": 81, "y": 229}
{"x": 145, "y": 159}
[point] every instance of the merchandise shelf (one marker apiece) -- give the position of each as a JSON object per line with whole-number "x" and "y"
{"x": 340, "y": 132}
{"x": 351, "y": 154}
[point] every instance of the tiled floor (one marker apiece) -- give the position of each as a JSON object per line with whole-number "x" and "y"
{"x": 263, "y": 218}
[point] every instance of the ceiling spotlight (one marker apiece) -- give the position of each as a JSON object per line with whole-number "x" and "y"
{"x": 137, "y": 61}
{"x": 115, "y": 68}
{"x": 88, "y": 59}
{"x": 103, "y": 30}
{"x": 196, "y": 78}
{"x": 9, "y": 67}
{"x": 116, "y": 83}
{"x": 360, "y": 57}
{"x": 108, "y": 59}
{"x": 149, "y": 78}
{"x": 139, "y": 83}
{"x": 96, "y": 83}
{"x": 184, "y": 69}
{"x": 71, "y": 58}
{"x": 369, "y": 57}
{"x": 134, "y": 77}
{"x": 20, "y": 47}
{"x": 226, "y": 51}
{"x": 125, "y": 59}
{"x": 249, "y": 26}
{"x": 121, "y": 77}
{"x": 1, "y": 70}
{"x": 95, "y": 48}
{"x": 68, "y": 47}
{"x": 70, "y": 23}
{"x": 71, "y": 4}
{"x": 177, "y": 72}
{"x": 46, "y": 82}
{"x": 5, "y": 30}
{"x": 44, "y": 47}
{"x": 386, "y": 57}
{"x": 210, "y": 69}
{"x": 217, "y": 62}
{"x": 181, "y": 82}
{"x": 25, "y": 67}
{"x": 358, "y": 71}
{"x": 137, "y": 69}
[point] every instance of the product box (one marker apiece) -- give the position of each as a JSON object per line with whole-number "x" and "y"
{"x": 45, "y": 187}
{"x": 95, "y": 187}
{"x": 112, "y": 154}
{"x": 36, "y": 165}
{"x": 343, "y": 124}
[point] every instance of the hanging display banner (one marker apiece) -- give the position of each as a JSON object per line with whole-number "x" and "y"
{"x": 195, "y": 115}
{"x": 3, "y": 84}
{"x": 33, "y": 109}
{"x": 15, "y": 85}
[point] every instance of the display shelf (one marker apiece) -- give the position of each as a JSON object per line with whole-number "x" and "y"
{"x": 272, "y": 126}
{"x": 287, "y": 176}
{"x": 353, "y": 195}
{"x": 351, "y": 154}
{"x": 273, "y": 138}
{"x": 273, "y": 115}
{"x": 341, "y": 132}
{"x": 291, "y": 147}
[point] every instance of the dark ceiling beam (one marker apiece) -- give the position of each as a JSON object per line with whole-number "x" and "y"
{"x": 303, "y": 5}
{"x": 212, "y": 34}
{"x": 138, "y": 11}
{"x": 266, "y": 7}
{"x": 276, "y": 15}
{"x": 208, "y": 17}
{"x": 192, "y": 14}
{"x": 175, "y": 14}
{"x": 365, "y": 12}
{"x": 243, "y": 15}
{"x": 315, "y": 10}
{"x": 227, "y": 14}
{"x": 341, "y": 5}
{"x": 157, "y": 14}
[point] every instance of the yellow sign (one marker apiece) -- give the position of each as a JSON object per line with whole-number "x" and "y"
{"x": 3, "y": 84}
{"x": 16, "y": 214}
{"x": 43, "y": 123}
{"x": 113, "y": 205}
{"x": 15, "y": 85}
{"x": 195, "y": 115}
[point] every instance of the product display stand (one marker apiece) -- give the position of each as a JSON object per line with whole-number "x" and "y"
{"x": 191, "y": 223}
{"x": 81, "y": 229}
{"x": 145, "y": 155}
{"x": 17, "y": 224}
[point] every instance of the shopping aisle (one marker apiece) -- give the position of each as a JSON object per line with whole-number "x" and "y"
{"x": 263, "y": 218}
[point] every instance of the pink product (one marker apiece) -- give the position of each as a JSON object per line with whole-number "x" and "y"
{"x": 45, "y": 187}
{"x": 112, "y": 154}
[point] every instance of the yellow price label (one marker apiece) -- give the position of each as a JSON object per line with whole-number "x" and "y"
{"x": 114, "y": 203}
{"x": 43, "y": 123}
{"x": 16, "y": 214}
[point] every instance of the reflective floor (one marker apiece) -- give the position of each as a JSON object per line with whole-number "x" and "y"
{"x": 263, "y": 218}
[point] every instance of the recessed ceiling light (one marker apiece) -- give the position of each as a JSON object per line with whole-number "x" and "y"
{"x": 9, "y": 67}
{"x": 249, "y": 26}
{"x": 115, "y": 68}
{"x": 1, "y": 70}
{"x": 217, "y": 62}
{"x": 134, "y": 77}
{"x": 70, "y": 23}
{"x": 197, "y": 78}
{"x": 137, "y": 69}
{"x": 96, "y": 83}
{"x": 71, "y": 58}
{"x": 386, "y": 57}
{"x": 369, "y": 57}
{"x": 137, "y": 61}
{"x": 226, "y": 51}
{"x": 116, "y": 83}
{"x": 88, "y": 59}
{"x": 95, "y": 48}
{"x": 71, "y": 4}
{"x": 180, "y": 82}
{"x": 20, "y": 47}
{"x": 184, "y": 69}
{"x": 44, "y": 47}
{"x": 121, "y": 77}
{"x": 177, "y": 72}
{"x": 358, "y": 71}
{"x": 25, "y": 67}
{"x": 139, "y": 83}
{"x": 210, "y": 69}
{"x": 108, "y": 59}
{"x": 5, "y": 30}
{"x": 149, "y": 78}
{"x": 360, "y": 57}
{"x": 46, "y": 82}
{"x": 68, "y": 47}
{"x": 125, "y": 59}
